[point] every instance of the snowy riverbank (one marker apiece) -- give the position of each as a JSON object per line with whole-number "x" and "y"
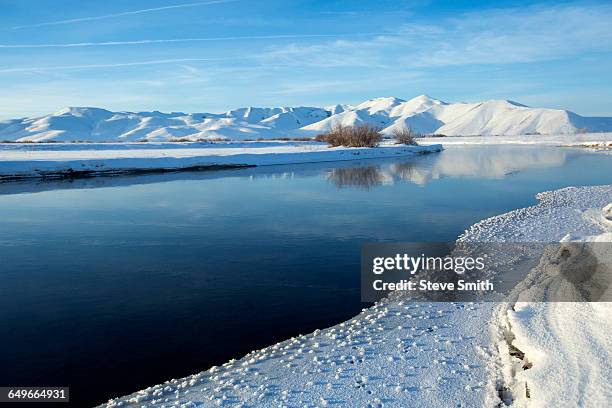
{"x": 389, "y": 354}
{"x": 555, "y": 353}
{"x": 592, "y": 140}
{"x": 56, "y": 160}
{"x": 433, "y": 354}
{"x": 59, "y": 160}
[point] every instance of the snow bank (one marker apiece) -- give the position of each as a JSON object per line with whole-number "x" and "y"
{"x": 423, "y": 114}
{"x": 570, "y": 349}
{"x": 392, "y": 354}
{"x": 400, "y": 353}
{"x": 556, "y": 353}
{"x": 568, "y": 344}
{"x": 32, "y": 161}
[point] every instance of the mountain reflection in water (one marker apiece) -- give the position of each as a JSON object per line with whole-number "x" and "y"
{"x": 492, "y": 162}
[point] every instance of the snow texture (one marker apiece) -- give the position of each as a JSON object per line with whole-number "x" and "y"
{"x": 393, "y": 354}
{"x": 561, "y": 351}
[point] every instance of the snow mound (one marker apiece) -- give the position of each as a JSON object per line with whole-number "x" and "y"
{"x": 423, "y": 114}
{"x": 555, "y": 353}
{"x": 569, "y": 348}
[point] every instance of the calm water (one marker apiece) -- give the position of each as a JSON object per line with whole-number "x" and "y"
{"x": 110, "y": 285}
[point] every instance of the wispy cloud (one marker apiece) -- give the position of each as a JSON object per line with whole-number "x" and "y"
{"x": 499, "y": 36}
{"x": 300, "y": 87}
{"x": 518, "y": 35}
{"x": 338, "y": 53}
{"x": 123, "y": 14}
{"x": 116, "y": 65}
{"x": 183, "y": 40}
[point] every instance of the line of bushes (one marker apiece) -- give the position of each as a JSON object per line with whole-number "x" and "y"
{"x": 365, "y": 135}
{"x": 351, "y": 136}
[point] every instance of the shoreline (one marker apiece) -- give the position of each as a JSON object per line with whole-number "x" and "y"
{"x": 20, "y": 164}
{"x": 23, "y": 161}
{"x": 430, "y": 354}
{"x": 549, "y": 348}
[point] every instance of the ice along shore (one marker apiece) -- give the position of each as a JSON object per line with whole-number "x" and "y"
{"x": 434, "y": 354}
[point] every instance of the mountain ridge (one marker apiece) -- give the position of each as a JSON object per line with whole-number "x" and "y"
{"x": 423, "y": 114}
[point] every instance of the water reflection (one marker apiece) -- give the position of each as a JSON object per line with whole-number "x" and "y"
{"x": 496, "y": 161}
{"x": 490, "y": 162}
{"x": 363, "y": 177}
{"x": 455, "y": 161}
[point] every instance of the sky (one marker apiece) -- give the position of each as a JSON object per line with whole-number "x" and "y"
{"x": 215, "y": 55}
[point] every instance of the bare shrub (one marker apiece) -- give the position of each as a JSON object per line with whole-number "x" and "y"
{"x": 321, "y": 137}
{"x": 283, "y": 139}
{"x": 405, "y": 136}
{"x": 351, "y": 136}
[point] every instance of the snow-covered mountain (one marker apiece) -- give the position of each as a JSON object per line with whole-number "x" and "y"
{"x": 422, "y": 114}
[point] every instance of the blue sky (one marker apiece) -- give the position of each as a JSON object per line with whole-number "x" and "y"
{"x": 209, "y": 56}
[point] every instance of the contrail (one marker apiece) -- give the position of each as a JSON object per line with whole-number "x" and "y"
{"x": 124, "y": 13}
{"x": 118, "y": 64}
{"x": 175, "y": 40}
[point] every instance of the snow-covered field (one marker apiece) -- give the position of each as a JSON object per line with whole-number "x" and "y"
{"x": 56, "y": 160}
{"x": 422, "y": 114}
{"x": 587, "y": 140}
{"x": 400, "y": 353}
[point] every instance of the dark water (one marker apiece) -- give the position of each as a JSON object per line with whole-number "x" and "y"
{"x": 110, "y": 285}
